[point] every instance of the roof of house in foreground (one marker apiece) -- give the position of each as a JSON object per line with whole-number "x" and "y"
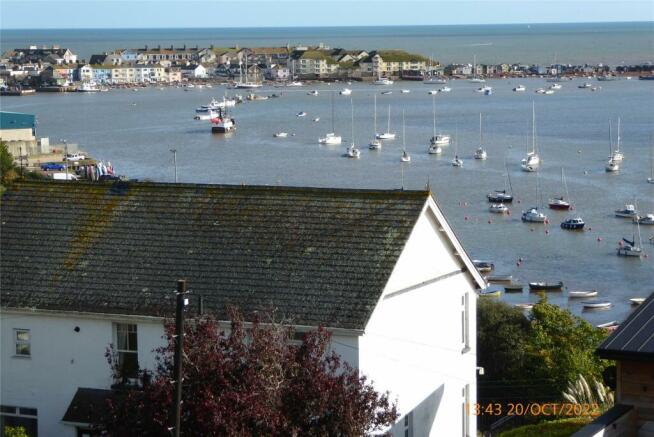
{"x": 317, "y": 256}
{"x": 634, "y": 338}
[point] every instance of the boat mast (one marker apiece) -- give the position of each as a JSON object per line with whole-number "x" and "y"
{"x": 388, "y": 129}
{"x": 508, "y": 176}
{"x": 610, "y": 141}
{"x": 433, "y": 109}
{"x": 533, "y": 127}
{"x": 617, "y": 147}
{"x": 375, "y": 132}
{"x": 565, "y": 185}
{"x": 480, "y": 136}
{"x": 352, "y": 107}
{"x": 403, "y": 133}
{"x": 333, "y": 131}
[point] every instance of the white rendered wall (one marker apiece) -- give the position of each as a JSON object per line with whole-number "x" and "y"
{"x": 62, "y": 361}
{"x": 413, "y": 346}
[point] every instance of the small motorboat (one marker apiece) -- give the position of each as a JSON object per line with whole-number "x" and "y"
{"x": 585, "y": 85}
{"x": 484, "y": 89}
{"x": 490, "y": 293}
{"x": 405, "y": 91}
{"x": 647, "y": 219}
{"x": 457, "y": 162}
{"x": 556, "y": 86}
{"x": 488, "y": 91}
{"x": 405, "y": 157}
{"x": 352, "y": 152}
{"x": 637, "y": 300}
{"x": 498, "y": 208}
{"x": 629, "y": 211}
{"x": 573, "y": 224}
{"x": 301, "y": 114}
{"x": 513, "y": 287}
{"x": 499, "y": 278}
{"x": 609, "y": 326}
{"x": 313, "y": 93}
{"x": 533, "y": 215}
{"x": 483, "y": 266}
{"x": 558, "y": 203}
{"x": 500, "y": 196}
{"x": 387, "y": 92}
{"x": 540, "y": 91}
{"x": 525, "y": 306}
{"x": 545, "y": 286}
{"x": 520, "y": 88}
{"x": 435, "y": 149}
{"x": 375, "y": 145}
{"x": 582, "y": 293}
{"x": 316, "y": 120}
{"x": 480, "y": 153}
{"x": 597, "y": 305}
{"x": 445, "y": 89}
{"x": 330, "y": 139}
{"x": 345, "y": 92}
{"x": 432, "y": 92}
{"x": 280, "y": 135}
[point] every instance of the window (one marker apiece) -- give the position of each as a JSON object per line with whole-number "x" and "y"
{"x": 19, "y": 416}
{"x": 408, "y": 424}
{"x": 126, "y": 346}
{"x": 22, "y": 337}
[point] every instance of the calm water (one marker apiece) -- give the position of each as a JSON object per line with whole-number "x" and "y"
{"x": 572, "y": 133}
{"x": 611, "y": 43}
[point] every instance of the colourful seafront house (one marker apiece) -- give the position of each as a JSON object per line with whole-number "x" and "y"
{"x": 84, "y": 265}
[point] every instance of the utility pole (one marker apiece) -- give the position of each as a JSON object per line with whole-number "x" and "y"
{"x": 182, "y": 301}
{"x": 175, "y": 162}
{"x": 65, "y": 156}
{"x": 20, "y": 156}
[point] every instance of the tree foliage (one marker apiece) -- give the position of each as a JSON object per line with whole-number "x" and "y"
{"x": 533, "y": 358}
{"x": 7, "y": 166}
{"x": 251, "y": 381}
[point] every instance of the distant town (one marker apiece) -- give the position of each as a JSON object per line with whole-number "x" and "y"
{"x": 55, "y": 68}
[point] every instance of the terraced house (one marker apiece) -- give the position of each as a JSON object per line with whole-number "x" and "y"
{"x": 391, "y": 63}
{"x": 314, "y": 64}
{"x": 85, "y": 265}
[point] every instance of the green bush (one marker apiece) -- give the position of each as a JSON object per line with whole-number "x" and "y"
{"x": 554, "y": 428}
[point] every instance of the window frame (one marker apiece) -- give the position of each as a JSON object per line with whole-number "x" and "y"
{"x": 18, "y": 342}
{"x": 129, "y": 349}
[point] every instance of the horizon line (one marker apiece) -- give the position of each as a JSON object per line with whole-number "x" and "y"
{"x": 2, "y": 28}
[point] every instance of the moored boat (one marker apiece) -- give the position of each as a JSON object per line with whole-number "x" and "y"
{"x": 483, "y": 266}
{"x": 637, "y": 300}
{"x": 500, "y": 196}
{"x": 498, "y": 208}
{"x": 582, "y": 293}
{"x": 490, "y": 293}
{"x": 573, "y": 223}
{"x": 513, "y": 287}
{"x": 525, "y": 306}
{"x": 596, "y": 305}
{"x": 499, "y": 278}
{"x": 553, "y": 286}
{"x": 647, "y": 219}
{"x": 629, "y": 211}
{"x": 533, "y": 215}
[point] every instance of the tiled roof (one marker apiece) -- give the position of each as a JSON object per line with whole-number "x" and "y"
{"x": 87, "y": 405}
{"x": 634, "y": 338}
{"x": 318, "y": 256}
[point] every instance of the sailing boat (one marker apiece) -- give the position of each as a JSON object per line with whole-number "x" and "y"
{"x": 388, "y": 135}
{"x": 480, "y": 153}
{"x": 502, "y": 196}
{"x": 533, "y": 214}
{"x": 331, "y": 138}
{"x": 375, "y": 144}
{"x": 437, "y": 140}
{"x": 474, "y": 78}
{"x": 532, "y": 161}
{"x": 405, "y": 156}
{"x": 352, "y": 151}
{"x": 629, "y": 247}
{"x": 616, "y": 155}
{"x": 456, "y": 162}
{"x": 561, "y": 202}
{"x": 247, "y": 84}
{"x": 431, "y": 78}
{"x": 611, "y": 166}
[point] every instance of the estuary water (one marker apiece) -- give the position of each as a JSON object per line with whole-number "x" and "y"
{"x": 576, "y": 43}
{"x": 136, "y": 130}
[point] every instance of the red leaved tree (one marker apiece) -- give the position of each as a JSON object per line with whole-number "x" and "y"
{"x": 250, "y": 381}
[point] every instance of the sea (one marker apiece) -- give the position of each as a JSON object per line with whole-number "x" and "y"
{"x": 135, "y": 131}
{"x": 574, "y": 43}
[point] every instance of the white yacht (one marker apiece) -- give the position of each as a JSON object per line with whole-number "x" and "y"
{"x": 88, "y": 87}
{"x": 445, "y": 89}
{"x": 533, "y": 215}
{"x": 480, "y": 153}
{"x": 301, "y": 114}
{"x": 345, "y": 92}
{"x": 331, "y": 138}
{"x": 456, "y": 162}
{"x": 485, "y": 89}
{"x": 556, "y": 86}
{"x": 352, "y": 151}
{"x": 612, "y": 166}
{"x": 432, "y": 92}
{"x": 388, "y": 135}
{"x": 520, "y": 88}
{"x": 295, "y": 83}
{"x": 531, "y": 162}
{"x": 280, "y": 135}
{"x": 405, "y": 157}
{"x": 647, "y": 219}
{"x": 437, "y": 140}
{"x": 375, "y": 144}
{"x": 405, "y": 91}
{"x": 616, "y": 155}
{"x": 313, "y": 93}
{"x": 629, "y": 248}
{"x": 585, "y": 85}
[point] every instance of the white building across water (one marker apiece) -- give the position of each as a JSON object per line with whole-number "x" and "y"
{"x": 85, "y": 265}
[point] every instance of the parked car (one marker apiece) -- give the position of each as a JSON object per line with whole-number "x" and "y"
{"x": 52, "y": 166}
{"x": 74, "y": 157}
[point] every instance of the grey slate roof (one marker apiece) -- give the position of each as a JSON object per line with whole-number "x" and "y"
{"x": 87, "y": 405}
{"x": 318, "y": 256}
{"x": 634, "y": 338}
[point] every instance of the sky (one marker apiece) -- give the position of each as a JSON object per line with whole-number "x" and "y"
{"x": 64, "y": 14}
